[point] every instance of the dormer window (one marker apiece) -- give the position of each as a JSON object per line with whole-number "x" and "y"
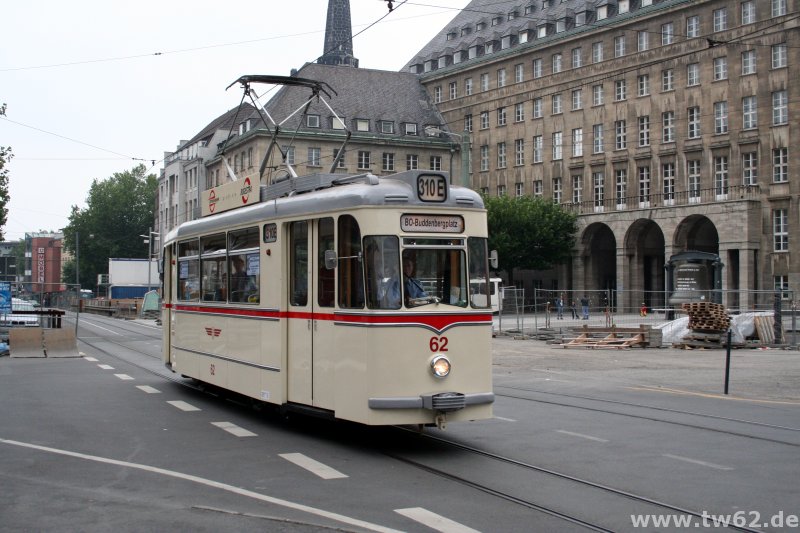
{"x": 624, "y": 6}
{"x": 337, "y": 123}
{"x": 496, "y": 21}
{"x": 541, "y": 31}
{"x": 466, "y": 30}
{"x": 387, "y": 126}
{"x": 362, "y": 124}
{"x": 244, "y": 127}
{"x": 451, "y": 36}
{"x": 505, "y": 42}
{"x": 523, "y": 36}
{"x": 480, "y": 26}
{"x": 580, "y": 18}
{"x": 312, "y": 121}
{"x": 512, "y": 15}
{"x": 602, "y": 12}
{"x": 529, "y": 9}
{"x": 410, "y": 128}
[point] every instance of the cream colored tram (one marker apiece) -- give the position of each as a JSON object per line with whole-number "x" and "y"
{"x": 299, "y": 299}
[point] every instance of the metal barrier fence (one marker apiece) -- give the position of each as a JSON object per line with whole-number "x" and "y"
{"x": 559, "y": 311}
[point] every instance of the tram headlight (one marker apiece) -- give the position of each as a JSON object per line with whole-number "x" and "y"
{"x": 440, "y": 366}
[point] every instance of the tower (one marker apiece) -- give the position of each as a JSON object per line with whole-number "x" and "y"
{"x": 338, "y": 48}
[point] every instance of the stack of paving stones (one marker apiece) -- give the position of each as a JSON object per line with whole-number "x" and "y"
{"x": 708, "y": 322}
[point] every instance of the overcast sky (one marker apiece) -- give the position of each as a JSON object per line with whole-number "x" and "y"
{"x": 93, "y": 86}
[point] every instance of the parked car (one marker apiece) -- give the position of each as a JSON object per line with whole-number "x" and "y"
{"x": 18, "y": 318}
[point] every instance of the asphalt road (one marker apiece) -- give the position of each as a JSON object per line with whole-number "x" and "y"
{"x": 580, "y": 438}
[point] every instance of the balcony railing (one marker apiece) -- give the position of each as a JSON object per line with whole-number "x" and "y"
{"x": 683, "y": 198}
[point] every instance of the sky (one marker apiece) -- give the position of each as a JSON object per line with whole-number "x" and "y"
{"x": 94, "y": 87}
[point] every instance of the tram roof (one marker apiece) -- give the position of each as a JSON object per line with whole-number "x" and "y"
{"x": 344, "y": 193}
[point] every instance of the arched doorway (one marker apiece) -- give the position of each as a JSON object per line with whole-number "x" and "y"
{"x": 600, "y": 258}
{"x": 644, "y": 268}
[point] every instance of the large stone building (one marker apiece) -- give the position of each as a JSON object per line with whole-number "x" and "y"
{"x": 666, "y": 125}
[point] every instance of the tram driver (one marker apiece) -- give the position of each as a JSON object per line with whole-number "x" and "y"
{"x": 412, "y": 285}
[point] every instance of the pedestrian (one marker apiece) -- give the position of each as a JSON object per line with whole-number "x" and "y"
{"x": 573, "y": 309}
{"x": 643, "y": 310}
{"x": 585, "y": 307}
{"x": 560, "y": 307}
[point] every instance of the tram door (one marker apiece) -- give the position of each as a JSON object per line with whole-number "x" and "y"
{"x": 311, "y": 301}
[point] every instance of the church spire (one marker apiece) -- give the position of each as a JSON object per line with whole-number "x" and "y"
{"x": 338, "y": 36}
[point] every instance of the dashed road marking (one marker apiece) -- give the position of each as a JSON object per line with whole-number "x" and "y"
{"x": 434, "y": 521}
{"x": 124, "y": 377}
{"x": 581, "y": 435}
{"x": 315, "y": 467}
{"x": 183, "y": 406}
{"x": 92, "y": 359}
{"x": 148, "y": 389}
{"x": 504, "y": 419}
{"x": 698, "y": 462}
{"x": 234, "y": 429}
{"x": 106, "y": 367}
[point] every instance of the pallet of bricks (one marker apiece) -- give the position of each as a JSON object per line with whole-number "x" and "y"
{"x": 708, "y": 322}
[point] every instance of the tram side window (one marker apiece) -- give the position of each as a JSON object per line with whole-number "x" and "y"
{"x": 325, "y": 278}
{"x": 478, "y": 272}
{"x": 189, "y": 270}
{"x": 382, "y": 271}
{"x": 244, "y": 266}
{"x": 351, "y": 282}
{"x": 298, "y": 263}
{"x": 213, "y": 266}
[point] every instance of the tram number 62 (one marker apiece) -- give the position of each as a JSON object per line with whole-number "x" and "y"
{"x": 438, "y": 344}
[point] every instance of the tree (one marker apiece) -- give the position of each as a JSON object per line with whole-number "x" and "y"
{"x": 118, "y": 210}
{"x": 529, "y": 233}
{"x": 5, "y": 157}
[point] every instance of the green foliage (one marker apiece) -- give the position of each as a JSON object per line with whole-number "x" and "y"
{"x": 529, "y": 233}
{"x": 5, "y": 157}
{"x": 118, "y": 210}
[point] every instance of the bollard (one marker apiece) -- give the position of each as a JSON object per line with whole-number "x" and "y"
{"x": 728, "y": 362}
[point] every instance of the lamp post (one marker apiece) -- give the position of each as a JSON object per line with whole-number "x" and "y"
{"x": 148, "y": 239}
{"x": 464, "y": 140}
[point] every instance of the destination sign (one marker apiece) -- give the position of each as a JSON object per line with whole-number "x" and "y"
{"x": 228, "y": 196}
{"x": 432, "y": 223}
{"x": 431, "y": 188}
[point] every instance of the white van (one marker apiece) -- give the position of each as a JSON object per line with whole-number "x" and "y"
{"x": 495, "y": 293}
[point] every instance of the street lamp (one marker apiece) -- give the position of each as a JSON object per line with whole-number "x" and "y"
{"x": 465, "y": 142}
{"x": 148, "y": 240}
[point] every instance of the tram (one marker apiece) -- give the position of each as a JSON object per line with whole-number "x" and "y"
{"x": 346, "y": 296}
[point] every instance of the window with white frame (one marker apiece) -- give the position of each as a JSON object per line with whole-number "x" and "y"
{"x": 453, "y": 90}
{"x": 692, "y": 27}
{"x": 363, "y": 160}
{"x": 556, "y": 104}
{"x": 619, "y": 46}
{"x": 519, "y": 112}
{"x": 468, "y": 123}
{"x": 577, "y": 142}
{"x": 597, "y": 95}
{"x": 780, "y": 165}
{"x": 501, "y": 155}
{"x": 314, "y": 154}
{"x": 620, "y": 135}
{"x": 720, "y": 68}
{"x": 435, "y": 162}
{"x": 667, "y": 80}
{"x": 643, "y": 84}
{"x": 623, "y": 6}
{"x": 468, "y": 86}
{"x": 387, "y": 126}
{"x": 537, "y": 108}
{"x": 537, "y": 68}
{"x": 577, "y": 57}
{"x": 620, "y": 90}
{"x": 502, "y": 116}
{"x": 484, "y": 82}
{"x": 437, "y": 94}
{"x": 668, "y": 182}
{"x": 778, "y": 8}
{"x": 501, "y": 190}
{"x": 410, "y": 128}
{"x": 387, "y": 162}
{"x": 780, "y": 230}
{"x": 577, "y": 99}
{"x": 781, "y": 284}
{"x": 484, "y": 120}
{"x": 749, "y": 168}
{"x": 780, "y": 108}
{"x": 693, "y": 180}
{"x": 644, "y": 130}
{"x": 643, "y": 40}
{"x": 597, "y": 52}
{"x": 538, "y": 149}
{"x": 599, "y": 186}
{"x": 779, "y": 57}
{"x": 557, "y": 63}
{"x": 577, "y": 189}
{"x": 519, "y": 152}
{"x": 668, "y": 127}
{"x": 501, "y": 77}
{"x": 597, "y": 139}
{"x": 340, "y": 162}
{"x": 289, "y": 152}
{"x": 558, "y": 191}
{"x": 748, "y": 62}
{"x": 721, "y": 19}
{"x": 312, "y": 121}
{"x": 538, "y": 188}
{"x": 621, "y": 186}
{"x": 644, "y": 186}
{"x": 602, "y": 12}
{"x": 749, "y": 112}
{"x": 519, "y": 73}
{"x": 693, "y": 74}
{"x": 667, "y": 33}
{"x": 412, "y": 161}
{"x": 519, "y": 189}
{"x": 362, "y": 124}
{"x": 748, "y": 12}
{"x": 557, "y": 145}
{"x": 721, "y": 181}
{"x": 720, "y": 117}
{"x": 693, "y": 122}
{"x": 484, "y": 157}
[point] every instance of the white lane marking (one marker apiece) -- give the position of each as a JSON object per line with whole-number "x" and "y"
{"x": 148, "y": 389}
{"x": 504, "y": 419}
{"x": 106, "y": 367}
{"x": 234, "y": 429}
{"x": 434, "y": 521}
{"x": 183, "y": 406}
{"x": 698, "y": 462}
{"x": 581, "y": 435}
{"x": 315, "y": 467}
{"x": 211, "y": 483}
{"x": 124, "y": 377}
{"x": 92, "y": 359}
{"x": 84, "y": 323}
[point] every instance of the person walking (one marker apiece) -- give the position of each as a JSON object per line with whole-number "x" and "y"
{"x": 573, "y": 309}
{"x": 560, "y": 307}
{"x": 585, "y": 307}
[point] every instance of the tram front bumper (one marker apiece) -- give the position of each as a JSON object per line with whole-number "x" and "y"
{"x": 442, "y": 401}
